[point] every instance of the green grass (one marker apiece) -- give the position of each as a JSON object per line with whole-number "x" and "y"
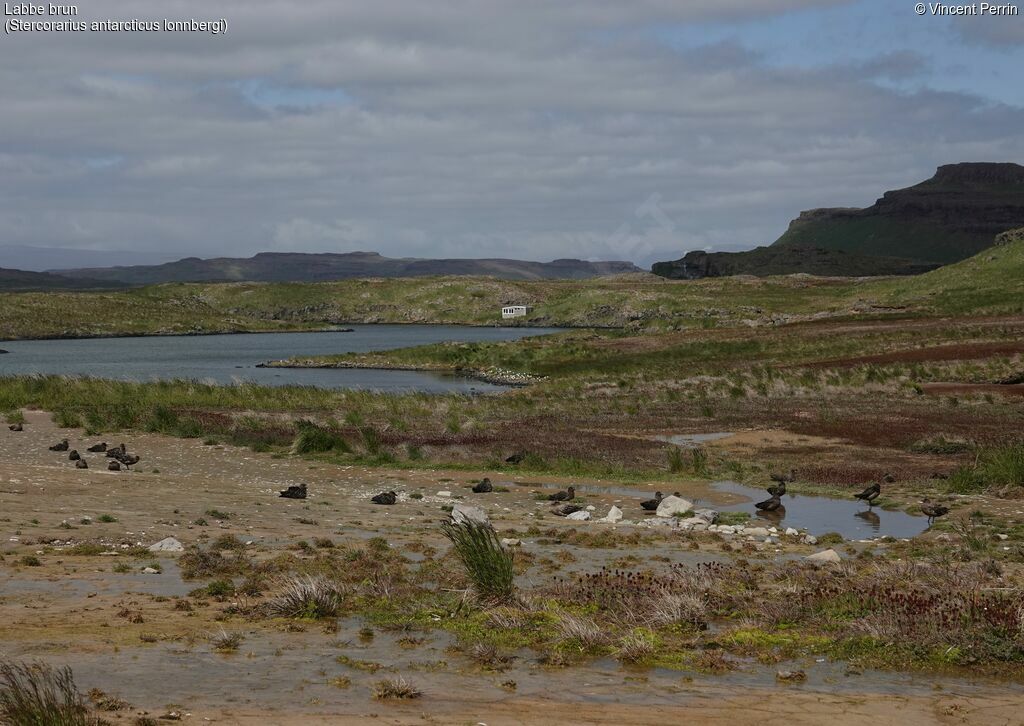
{"x": 996, "y": 469}
{"x": 35, "y": 694}
{"x": 488, "y": 564}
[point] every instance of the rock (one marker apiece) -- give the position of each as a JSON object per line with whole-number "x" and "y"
{"x": 1003, "y": 537}
{"x": 708, "y": 515}
{"x": 444, "y": 493}
{"x": 790, "y": 532}
{"x": 791, "y": 676}
{"x": 510, "y": 542}
{"x": 581, "y": 516}
{"x": 150, "y": 571}
{"x": 755, "y": 532}
{"x": 672, "y": 505}
{"x": 591, "y": 508}
{"x": 613, "y": 516}
{"x": 691, "y": 522}
{"x": 810, "y": 539}
{"x": 824, "y": 556}
{"x": 467, "y": 512}
{"x": 168, "y": 544}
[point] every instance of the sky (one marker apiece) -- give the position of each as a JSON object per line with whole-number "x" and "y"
{"x": 534, "y": 129}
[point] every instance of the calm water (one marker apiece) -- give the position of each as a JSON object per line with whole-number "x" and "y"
{"x": 849, "y": 517}
{"x": 232, "y": 358}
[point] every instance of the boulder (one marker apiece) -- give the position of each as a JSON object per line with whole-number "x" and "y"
{"x": 168, "y": 544}
{"x": 672, "y": 505}
{"x": 581, "y": 516}
{"x": 708, "y": 515}
{"x": 613, "y": 516}
{"x": 790, "y": 532}
{"x": 824, "y": 556}
{"x": 467, "y": 512}
{"x": 691, "y": 522}
{"x": 791, "y": 676}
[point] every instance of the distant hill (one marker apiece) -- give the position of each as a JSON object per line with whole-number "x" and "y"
{"x": 24, "y": 281}
{"x": 952, "y": 216}
{"x": 300, "y": 267}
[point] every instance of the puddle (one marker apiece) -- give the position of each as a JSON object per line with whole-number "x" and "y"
{"x": 692, "y": 440}
{"x": 294, "y": 671}
{"x": 819, "y": 515}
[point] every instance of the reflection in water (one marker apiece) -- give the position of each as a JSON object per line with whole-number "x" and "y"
{"x": 774, "y": 517}
{"x": 869, "y": 516}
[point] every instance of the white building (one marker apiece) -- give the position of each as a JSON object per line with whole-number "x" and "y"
{"x": 514, "y": 311}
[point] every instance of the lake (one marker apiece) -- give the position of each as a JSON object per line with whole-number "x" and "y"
{"x": 233, "y": 358}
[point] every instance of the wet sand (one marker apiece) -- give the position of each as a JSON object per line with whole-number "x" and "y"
{"x": 67, "y": 610}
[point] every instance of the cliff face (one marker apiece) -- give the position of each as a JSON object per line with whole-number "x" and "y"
{"x": 952, "y": 216}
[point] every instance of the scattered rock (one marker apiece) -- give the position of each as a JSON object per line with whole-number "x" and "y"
{"x": 673, "y": 505}
{"x": 1003, "y": 537}
{"x": 168, "y": 544}
{"x": 464, "y": 512}
{"x": 444, "y": 493}
{"x": 824, "y": 556}
{"x": 613, "y": 516}
{"x": 790, "y": 532}
{"x": 756, "y": 532}
{"x": 510, "y": 542}
{"x": 810, "y": 539}
{"x": 581, "y": 516}
{"x": 708, "y": 515}
{"x": 150, "y": 571}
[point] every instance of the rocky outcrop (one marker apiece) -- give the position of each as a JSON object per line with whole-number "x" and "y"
{"x": 952, "y": 216}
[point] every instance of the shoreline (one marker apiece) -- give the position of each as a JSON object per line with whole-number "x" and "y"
{"x": 495, "y": 377}
{"x": 332, "y": 329}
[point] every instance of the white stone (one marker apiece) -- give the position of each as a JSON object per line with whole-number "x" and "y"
{"x": 581, "y": 516}
{"x": 810, "y": 539}
{"x": 444, "y": 493}
{"x": 708, "y": 515}
{"x": 614, "y": 515}
{"x": 463, "y": 512}
{"x": 168, "y": 544}
{"x": 151, "y": 571}
{"x": 791, "y": 532}
{"x": 510, "y": 542}
{"x": 824, "y": 556}
{"x": 755, "y": 532}
{"x": 673, "y": 505}
{"x": 591, "y": 508}
{"x": 1003, "y": 536}
{"x": 700, "y": 527}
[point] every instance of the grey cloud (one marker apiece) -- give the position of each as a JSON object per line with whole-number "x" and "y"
{"x": 534, "y": 130}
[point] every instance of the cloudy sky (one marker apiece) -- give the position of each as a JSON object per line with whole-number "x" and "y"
{"x": 535, "y": 129}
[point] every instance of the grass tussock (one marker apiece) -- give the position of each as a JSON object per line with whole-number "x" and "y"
{"x": 312, "y": 438}
{"x": 488, "y": 564}
{"x": 398, "y": 688}
{"x": 310, "y": 597}
{"x": 35, "y": 694}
